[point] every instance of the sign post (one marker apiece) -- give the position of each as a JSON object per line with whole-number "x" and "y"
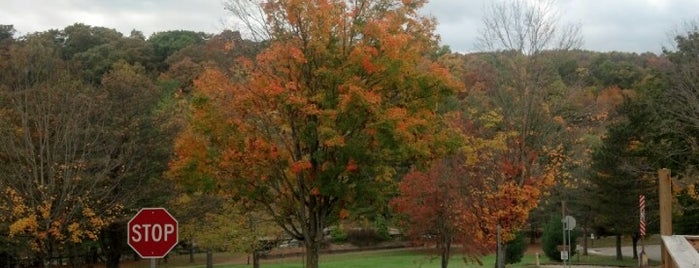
{"x": 569, "y": 224}
{"x": 152, "y": 233}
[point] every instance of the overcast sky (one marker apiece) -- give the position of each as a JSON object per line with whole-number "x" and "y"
{"x": 607, "y": 25}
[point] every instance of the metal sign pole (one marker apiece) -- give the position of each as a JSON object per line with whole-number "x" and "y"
{"x": 564, "y": 225}
{"x": 570, "y": 250}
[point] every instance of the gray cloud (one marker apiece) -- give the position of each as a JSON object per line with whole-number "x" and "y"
{"x": 607, "y": 25}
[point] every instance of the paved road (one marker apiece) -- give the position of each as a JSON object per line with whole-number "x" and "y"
{"x": 653, "y": 251}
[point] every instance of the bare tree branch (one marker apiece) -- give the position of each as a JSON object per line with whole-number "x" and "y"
{"x": 252, "y": 16}
{"x": 528, "y": 27}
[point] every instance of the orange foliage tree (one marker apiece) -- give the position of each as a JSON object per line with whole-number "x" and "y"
{"x": 345, "y": 95}
{"x": 506, "y": 187}
{"x": 463, "y": 198}
{"x": 438, "y": 208}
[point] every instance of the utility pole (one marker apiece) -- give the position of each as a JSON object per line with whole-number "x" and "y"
{"x": 564, "y": 256}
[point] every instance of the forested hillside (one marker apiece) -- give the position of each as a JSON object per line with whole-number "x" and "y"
{"x": 330, "y": 123}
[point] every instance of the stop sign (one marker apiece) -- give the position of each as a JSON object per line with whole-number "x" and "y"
{"x": 152, "y": 233}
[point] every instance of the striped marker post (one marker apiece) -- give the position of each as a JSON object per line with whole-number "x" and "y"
{"x": 642, "y": 208}
{"x": 643, "y": 260}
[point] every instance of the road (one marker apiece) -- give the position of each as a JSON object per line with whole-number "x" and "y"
{"x": 653, "y": 251}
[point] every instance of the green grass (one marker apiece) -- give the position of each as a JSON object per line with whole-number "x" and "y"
{"x": 402, "y": 258}
{"x": 610, "y": 241}
{"x": 384, "y": 259}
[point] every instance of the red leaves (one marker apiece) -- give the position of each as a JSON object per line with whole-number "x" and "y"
{"x": 351, "y": 166}
{"x": 300, "y": 166}
{"x": 439, "y": 203}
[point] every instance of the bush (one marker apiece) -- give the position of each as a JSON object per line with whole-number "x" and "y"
{"x": 338, "y": 235}
{"x": 514, "y": 250}
{"x": 382, "y": 228}
{"x": 364, "y": 237}
{"x": 553, "y": 236}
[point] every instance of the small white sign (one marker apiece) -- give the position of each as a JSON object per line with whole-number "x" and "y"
{"x": 564, "y": 255}
{"x": 569, "y": 223}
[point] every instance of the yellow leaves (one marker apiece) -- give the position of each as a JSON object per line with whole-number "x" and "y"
{"x": 556, "y": 158}
{"x": 334, "y": 141}
{"x": 75, "y": 232}
{"x": 385, "y": 174}
{"x": 692, "y": 191}
{"x": 73, "y": 222}
{"x": 45, "y": 209}
{"x": 491, "y": 119}
{"x": 484, "y": 149}
{"x": 24, "y": 225}
{"x": 87, "y": 212}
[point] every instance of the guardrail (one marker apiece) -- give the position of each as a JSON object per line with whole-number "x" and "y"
{"x": 694, "y": 240}
{"x": 678, "y": 251}
{"x": 682, "y": 251}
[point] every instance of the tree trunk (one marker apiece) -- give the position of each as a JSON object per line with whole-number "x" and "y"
{"x": 446, "y": 252}
{"x": 112, "y": 239}
{"x": 191, "y": 251}
{"x": 314, "y": 213}
{"x": 618, "y": 247}
{"x": 634, "y": 242}
{"x": 585, "y": 239}
{"x": 49, "y": 258}
{"x": 312, "y": 250}
{"x": 256, "y": 259}
{"x": 499, "y": 251}
{"x": 91, "y": 258}
{"x": 209, "y": 258}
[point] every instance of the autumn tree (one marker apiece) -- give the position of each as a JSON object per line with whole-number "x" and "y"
{"x": 493, "y": 172}
{"x": 219, "y": 51}
{"x": 518, "y": 36}
{"x": 47, "y": 170}
{"x": 343, "y": 96}
{"x": 69, "y": 148}
{"x": 442, "y": 206}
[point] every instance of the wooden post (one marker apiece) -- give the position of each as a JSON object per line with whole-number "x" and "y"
{"x": 665, "y": 196}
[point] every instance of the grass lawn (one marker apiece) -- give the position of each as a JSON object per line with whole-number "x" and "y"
{"x": 610, "y": 241}
{"x": 607, "y": 261}
{"x": 396, "y": 258}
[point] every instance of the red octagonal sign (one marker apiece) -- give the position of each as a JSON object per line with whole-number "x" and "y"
{"x": 152, "y": 233}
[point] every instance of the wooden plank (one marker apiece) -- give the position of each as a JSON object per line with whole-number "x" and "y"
{"x": 681, "y": 251}
{"x": 665, "y": 196}
{"x": 694, "y": 240}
